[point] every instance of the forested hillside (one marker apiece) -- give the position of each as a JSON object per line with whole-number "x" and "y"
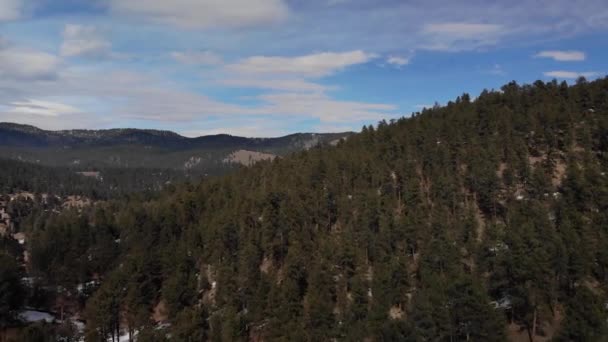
{"x": 103, "y": 183}
{"x": 103, "y": 164}
{"x": 146, "y": 149}
{"x": 482, "y": 220}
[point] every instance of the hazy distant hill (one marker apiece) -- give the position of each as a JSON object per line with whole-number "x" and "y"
{"x": 143, "y": 148}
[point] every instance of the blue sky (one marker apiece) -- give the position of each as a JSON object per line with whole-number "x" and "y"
{"x": 274, "y": 67}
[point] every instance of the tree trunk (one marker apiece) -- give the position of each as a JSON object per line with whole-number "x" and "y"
{"x": 530, "y": 334}
{"x": 534, "y": 322}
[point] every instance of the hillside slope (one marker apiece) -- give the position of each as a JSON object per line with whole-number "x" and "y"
{"x": 483, "y": 220}
{"x": 136, "y": 148}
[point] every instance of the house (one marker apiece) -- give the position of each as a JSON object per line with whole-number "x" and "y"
{"x": 20, "y": 237}
{"x": 503, "y": 303}
{"x": 90, "y": 174}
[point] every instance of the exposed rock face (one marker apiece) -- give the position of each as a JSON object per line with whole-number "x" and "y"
{"x": 248, "y": 158}
{"x": 192, "y": 162}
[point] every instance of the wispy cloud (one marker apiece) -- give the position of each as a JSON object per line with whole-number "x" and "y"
{"x": 571, "y": 74}
{"x": 314, "y": 65}
{"x": 127, "y": 96}
{"x": 26, "y": 64}
{"x": 84, "y": 41}
{"x": 42, "y": 108}
{"x": 195, "y": 14}
{"x": 461, "y": 35}
{"x": 562, "y": 56}
{"x": 197, "y": 58}
{"x": 324, "y": 108}
{"x": 10, "y": 9}
{"x": 295, "y": 85}
{"x": 398, "y": 61}
{"x": 285, "y": 61}
{"x": 462, "y": 30}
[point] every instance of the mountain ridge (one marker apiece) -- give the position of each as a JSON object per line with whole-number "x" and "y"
{"x": 135, "y": 135}
{"x": 144, "y": 148}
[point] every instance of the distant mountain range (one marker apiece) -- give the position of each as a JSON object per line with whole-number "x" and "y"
{"x": 143, "y": 148}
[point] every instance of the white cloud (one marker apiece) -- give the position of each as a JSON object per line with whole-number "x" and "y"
{"x": 85, "y": 41}
{"x": 117, "y": 96}
{"x": 398, "y": 61}
{"x": 120, "y": 97}
{"x": 462, "y": 30}
{"x": 324, "y": 108}
{"x": 204, "y": 13}
{"x": 296, "y": 85}
{"x": 170, "y": 105}
{"x": 200, "y": 58}
{"x": 16, "y": 63}
{"x": 460, "y": 35}
{"x": 42, "y": 108}
{"x": 10, "y": 9}
{"x": 571, "y": 74}
{"x": 562, "y": 56}
{"x": 315, "y": 65}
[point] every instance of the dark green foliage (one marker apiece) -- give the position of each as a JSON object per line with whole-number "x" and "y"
{"x": 587, "y": 315}
{"x": 67, "y": 250}
{"x": 129, "y": 160}
{"x": 38, "y": 332}
{"x": 46, "y": 332}
{"x": 191, "y": 325}
{"x": 113, "y": 182}
{"x": 11, "y": 290}
{"x": 445, "y": 226}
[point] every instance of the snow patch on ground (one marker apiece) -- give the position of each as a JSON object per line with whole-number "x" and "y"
{"x": 32, "y": 316}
